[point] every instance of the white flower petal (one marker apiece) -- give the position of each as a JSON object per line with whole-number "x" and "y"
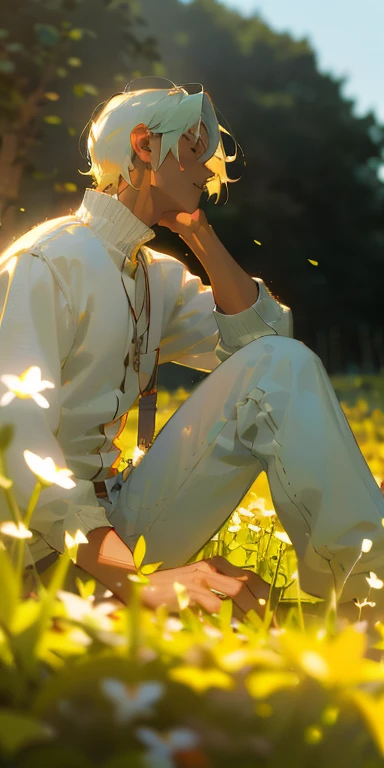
{"x": 282, "y": 536}
{"x": 40, "y": 400}
{"x": 7, "y": 398}
{"x": 10, "y": 381}
{"x": 16, "y": 531}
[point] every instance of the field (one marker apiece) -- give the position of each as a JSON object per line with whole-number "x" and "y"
{"x": 86, "y": 682}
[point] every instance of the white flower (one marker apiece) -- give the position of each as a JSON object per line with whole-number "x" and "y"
{"x": 365, "y": 602}
{"x": 234, "y": 528}
{"x": 96, "y": 617}
{"x": 18, "y": 531}
{"x": 47, "y": 472}
{"x": 28, "y": 385}
{"x": 73, "y": 541}
{"x": 245, "y": 512}
{"x": 373, "y": 581}
{"x": 254, "y": 527}
{"x": 236, "y": 518}
{"x": 260, "y": 506}
{"x": 163, "y": 746}
{"x": 282, "y": 536}
{"x": 366, "y": 545}
{"x": 131, "y": 701}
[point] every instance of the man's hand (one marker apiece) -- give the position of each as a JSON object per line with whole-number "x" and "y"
{"x": 198, "y": 579}
{"x": 243, "y": 586}
{"x": 185, "y": 224}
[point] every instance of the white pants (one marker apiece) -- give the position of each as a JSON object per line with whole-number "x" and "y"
{"x": 270, "y": 406}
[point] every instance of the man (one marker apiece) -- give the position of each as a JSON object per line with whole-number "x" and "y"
{"x": 267, "y": 404}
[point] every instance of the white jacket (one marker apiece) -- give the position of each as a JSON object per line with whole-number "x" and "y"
{"x": 64, "y": 308}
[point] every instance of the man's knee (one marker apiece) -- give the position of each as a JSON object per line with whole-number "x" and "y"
{"x": 283, "y": 346}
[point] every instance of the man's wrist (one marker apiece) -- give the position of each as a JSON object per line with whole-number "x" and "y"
{"x": 200, "y": 241}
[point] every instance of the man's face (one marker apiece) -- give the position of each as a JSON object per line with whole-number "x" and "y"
{"x": 180, "y": 186}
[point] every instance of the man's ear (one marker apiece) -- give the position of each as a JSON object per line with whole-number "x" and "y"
{"x": 140, "y": 136}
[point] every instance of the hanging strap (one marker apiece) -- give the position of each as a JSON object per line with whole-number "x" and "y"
{"x": 149, "y": 343}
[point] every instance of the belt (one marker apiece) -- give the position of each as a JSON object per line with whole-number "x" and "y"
{"x": 100, "y": 486}
{"x": 100, "y": 489}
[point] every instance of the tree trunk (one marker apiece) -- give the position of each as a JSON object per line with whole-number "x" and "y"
{"x": 10, "y": 177}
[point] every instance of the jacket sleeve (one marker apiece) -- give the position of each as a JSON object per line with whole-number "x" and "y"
{"x": 198, "y": 335}
{"x": 38, "y": 328}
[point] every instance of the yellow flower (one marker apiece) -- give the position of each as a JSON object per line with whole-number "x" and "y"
{"x": 18, "y": 531}
{"x": 29, "y": 384}
{"x": 47, "y": 472}
{"x": 336, "y": 662}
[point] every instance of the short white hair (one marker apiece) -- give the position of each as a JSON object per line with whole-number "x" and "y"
{"x": 165, "y": 111}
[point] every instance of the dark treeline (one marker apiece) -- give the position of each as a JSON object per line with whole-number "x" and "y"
{"x": 309, "y": 189}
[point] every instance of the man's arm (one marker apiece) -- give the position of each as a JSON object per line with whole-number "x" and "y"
{"x": 108, "y": 560}
{"x": 233, "y": 290}
{"x": 37, "y": 328}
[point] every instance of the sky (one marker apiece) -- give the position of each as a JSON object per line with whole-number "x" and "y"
{"x": 347, "y": 36}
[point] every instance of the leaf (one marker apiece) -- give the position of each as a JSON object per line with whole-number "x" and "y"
{"x": 7, "y": 66}
{"x": 61, "y": 72}
{"x": 316, "y": 263}
{"x": 85, "y": 589}
{"x": 47, "y": 34}
{"x": 15, "y": 47}
{"x": 151, "y": 568}
{"x": 263, "y": 684}
{"x": 91, "y": 89}
{"x": 69, "y": 186}
{"x": 9, "y": 592}
{"x": 73, "y": 61}
{"x": 225, "y": 614}
{"x": 52, "y": 119}
{"x": 6, "y": 436}
{"x": 52, "y": 96}
{"x": 201, "y": 679}
{"x": 237, "y": 556}
{"x": 372, "y": 710}
{"x": 18, "y": 730}
{"x": 4, "y": 33}
{"x": 139, "y": 552}
{"x": 76, "y": 34}
{"x": 78, "y": 90}
{"x": 72, "y": 131}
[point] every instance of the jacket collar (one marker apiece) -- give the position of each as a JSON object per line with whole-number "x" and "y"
{"x": 113, "y": 222}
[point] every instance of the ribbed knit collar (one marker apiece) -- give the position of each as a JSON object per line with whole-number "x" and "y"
{"x": 115, "y": 224}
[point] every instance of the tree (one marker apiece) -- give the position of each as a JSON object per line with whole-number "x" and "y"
{"x": 310, "y": 191}
{"x": 39, "y": 52}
